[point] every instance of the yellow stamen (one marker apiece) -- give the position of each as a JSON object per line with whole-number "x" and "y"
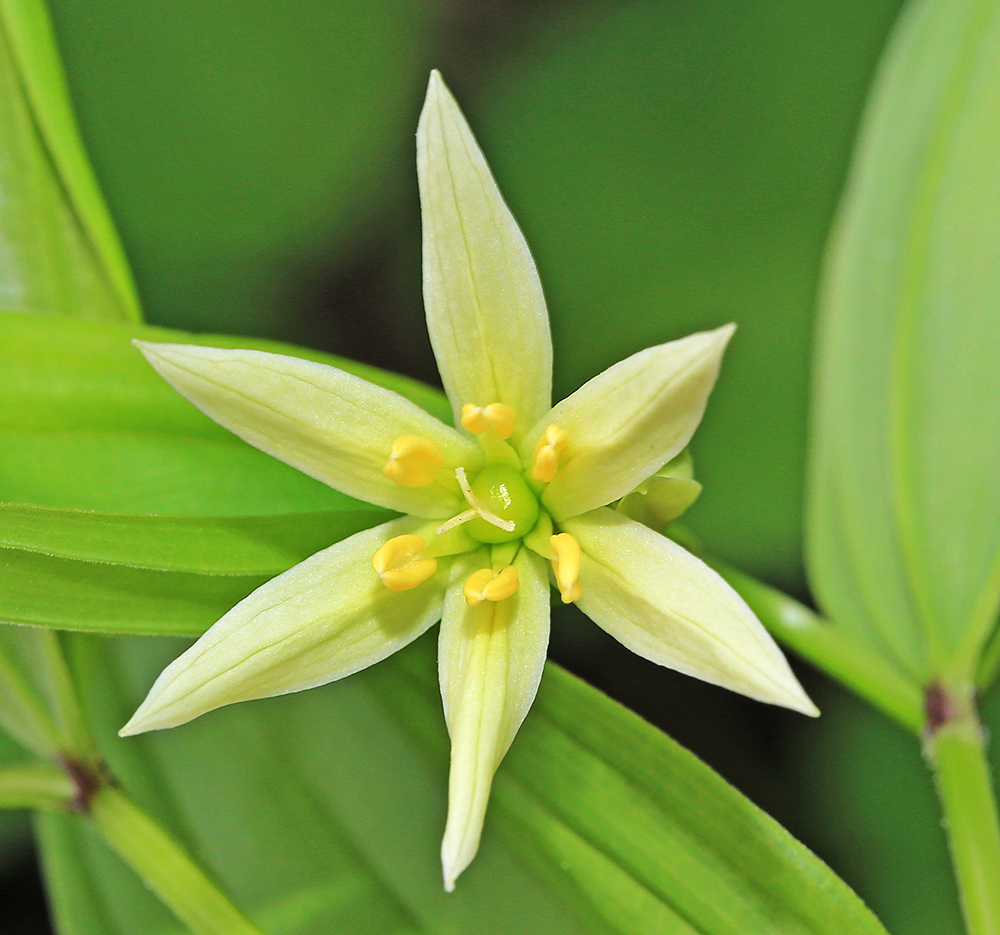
{"x": 566, "y": 565}
{"x": 496, "y": 416}
{"x": 399, "y": 565}
{"x": 412, "y": 460}
{"x": 547, "y": 450}
{"x": 487, "y": 585}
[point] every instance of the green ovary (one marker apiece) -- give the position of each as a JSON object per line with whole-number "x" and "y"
{"x": 504, "y": 491}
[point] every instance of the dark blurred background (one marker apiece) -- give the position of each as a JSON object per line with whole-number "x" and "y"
{"x": 675, "y": 165}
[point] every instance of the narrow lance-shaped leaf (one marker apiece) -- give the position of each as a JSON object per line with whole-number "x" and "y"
{"x": 206, "y": 545}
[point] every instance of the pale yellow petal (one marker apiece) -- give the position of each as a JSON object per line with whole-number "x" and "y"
{"x": 485, "y": 310}
{"x": 325, "y": 618}
{"x": 490, "y": 659}
{"x": 629, "y": 421}
{"x": 671, "y": 608}
{"x": 329, "y": 424}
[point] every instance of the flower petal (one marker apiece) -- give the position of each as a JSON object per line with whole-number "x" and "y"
{"x": 329, "y": 424}
{"x": 325, "y": 618}
{"x": 485, "y": 310}
{"x": 671, "y": 608}
{"x": 629, "y": 421}
{"x": 490, "y": 658}
{"x": 659, "y": 501}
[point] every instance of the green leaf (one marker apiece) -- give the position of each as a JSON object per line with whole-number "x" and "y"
{"x": 38, "y": 702}
{"x": 173, "y": 575}
{"x": 39, "y": 590}
{"x": 904, "y": 507}
{"x": 600, "y": 825}
{"x": 61, "y": 253}
{"x": 207, "y": 545}
{"x": 78, "y": 395}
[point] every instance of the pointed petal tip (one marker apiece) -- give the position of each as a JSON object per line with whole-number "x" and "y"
{"x": 158, "y": 350}
{"x": 437, "y": 91}
{"x": 793, "y": 696}
{"x": 720, "y": 337}
{"x": 805, "y": 706}
{"x": 132, "y": 727}
{"x": 452, "y": 867}
{"x": 145, "y": 719}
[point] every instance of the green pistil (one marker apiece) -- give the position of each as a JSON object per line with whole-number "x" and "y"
{"x": 504, "y": 491}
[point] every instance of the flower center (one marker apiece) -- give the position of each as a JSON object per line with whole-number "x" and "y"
{"x": 503, "y": 491}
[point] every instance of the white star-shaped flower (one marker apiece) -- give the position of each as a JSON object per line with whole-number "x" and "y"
{"x": 514, "y": 498}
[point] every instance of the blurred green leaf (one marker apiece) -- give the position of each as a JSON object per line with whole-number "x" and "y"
{"x": 600, "y": 824}
{"x": 58, "y": 249}
{"x": 238, "y": 142}
{"x": 38, "y": 702}
{"x": 904, "y": 507}
{"x": 24, "y": 714}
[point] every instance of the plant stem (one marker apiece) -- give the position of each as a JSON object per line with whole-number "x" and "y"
{"x": 165, "y": 867}
{"x": 36, "y": 786}
{"x": 955, "y": 747}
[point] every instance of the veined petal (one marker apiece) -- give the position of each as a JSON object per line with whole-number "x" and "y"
{"x": 328, "y": 424}
{"x": 671, "y": 608}
{"x": 629, "y": 421}
{"x": 325, "y": 618}
{"x": 485, "y": 310}
{"x": 490, "y": 659}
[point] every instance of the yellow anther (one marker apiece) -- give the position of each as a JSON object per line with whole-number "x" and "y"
{"x": 412, "y": 460}
{"x": 566, "y": 565}
{"x": 487, "y": 585}
{"x": 496, "y": 416}
{"x": 547, "y": 450}
{"x": 399, "y": 565}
